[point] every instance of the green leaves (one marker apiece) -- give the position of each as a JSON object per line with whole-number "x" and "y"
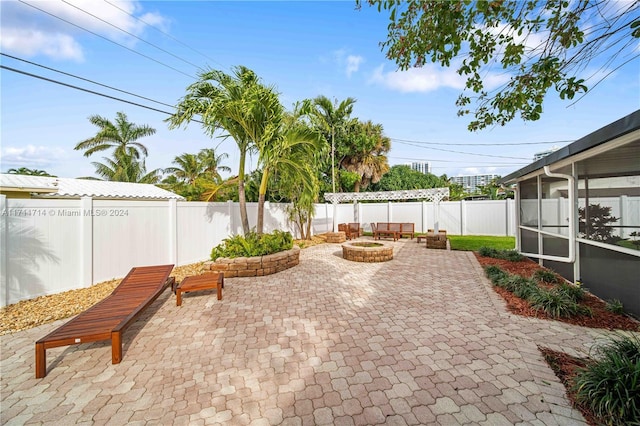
{"x": 538, "y": 46}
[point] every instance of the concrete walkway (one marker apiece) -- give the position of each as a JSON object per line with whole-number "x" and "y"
{"x": 422, "y": 339}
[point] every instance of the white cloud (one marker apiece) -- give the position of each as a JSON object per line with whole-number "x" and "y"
{"x": 353, "y": 64}
{"x": 30, "y": 42}
{"x": 30, "y": 32}
{"x": 350, "y": 63}
{"x": 425, "y": 79}
{"x": 30, "y": 156}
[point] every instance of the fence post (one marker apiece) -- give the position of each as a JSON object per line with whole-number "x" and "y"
{"x": 173, "y": 231}
{"x": 230, "y": 211}
{"x": 4, "y": 233}
{"x": 86, "y": 242}
{"x": 389, "y": 212}
{"x": 425, "y": 225}
{"x": 463, "y": 213}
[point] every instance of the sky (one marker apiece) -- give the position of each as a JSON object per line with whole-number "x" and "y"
{"x": 155, "y": 50}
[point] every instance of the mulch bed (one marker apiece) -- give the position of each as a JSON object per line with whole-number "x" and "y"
{"x": 564, "y": 366}
{"x": 602, "y": 318}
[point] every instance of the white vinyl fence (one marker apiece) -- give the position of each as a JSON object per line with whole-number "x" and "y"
{"x": 53, "y": 245}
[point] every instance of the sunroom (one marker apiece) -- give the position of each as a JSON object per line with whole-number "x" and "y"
{"x": 579, "y": 211}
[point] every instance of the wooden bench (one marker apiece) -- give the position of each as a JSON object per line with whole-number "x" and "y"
{"x": 207, "y": 281}
{"x": 109, "y": 318}
{"x": 392, "y": 229}
{"x": 407, "y": 229}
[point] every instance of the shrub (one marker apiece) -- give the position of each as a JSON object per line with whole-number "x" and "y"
{"x": 495, "y": 274}
{"x": 556, "y": 304}
{"x": 615, "y": 306}
{"x": 511, "y": 255}
{"x": 526, "y": 290}
{"x": 572, "y": 292}
{"x": 252, "y": 244}
{"x": 610, "y": 385}
{"x": 546, "y": 276}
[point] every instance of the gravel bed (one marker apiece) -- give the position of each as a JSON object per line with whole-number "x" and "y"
{"x": 45, "y": 309}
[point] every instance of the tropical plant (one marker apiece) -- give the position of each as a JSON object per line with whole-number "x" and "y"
{"x": 252, "y": 244}
{"x": 610, "y": 384}
{"x": 546, "y": 276}
{"x": 124, "y": 167}
{"x": 331, "y": 117}
{"x": 292, "y": 153}
{"x": 511, "y": 255}
{"x": 29, "y": 172}
{"x": 224, "y": 102}
{"x": 121, "y": 135}
{"x": 476, "y": 36}
{"x": 363, "y": 152}
{"x": 211, "y": 162}
{"x": 188, "y": 169}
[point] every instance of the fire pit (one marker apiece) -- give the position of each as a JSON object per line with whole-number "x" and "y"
{"x": 367, "y": 251}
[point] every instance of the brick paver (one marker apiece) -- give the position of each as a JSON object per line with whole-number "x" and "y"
{"x": 421, "y": 339}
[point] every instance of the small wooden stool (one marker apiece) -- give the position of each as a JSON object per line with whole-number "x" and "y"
{"x": 206, "y": 281}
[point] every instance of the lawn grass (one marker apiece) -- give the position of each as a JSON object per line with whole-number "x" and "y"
{"x": 474, "y": 242}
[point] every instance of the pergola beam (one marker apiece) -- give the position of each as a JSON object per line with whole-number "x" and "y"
{"x": 431, "y": 194}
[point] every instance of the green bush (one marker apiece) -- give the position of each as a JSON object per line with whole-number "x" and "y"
{"x": 546, "y": 276}
{"x": 526, "y": 290}
{"x": 610, "y": 385}
{"x": 252, "y": 244}
{"x": 615, "y": 306}
{"x": 495, "y": 274}
{"x": 574, "y": 293}
{"x": 556, "y": 304}
{"x": 511, "y": 255}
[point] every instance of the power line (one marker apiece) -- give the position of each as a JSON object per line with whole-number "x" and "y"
{"x": 410, "y": 142}
{"x": 131, "y": 34}
{"x": 469, "y": 153}
{"x": 457, "y": 161}
{"x": 164, "y": 33}
{"x": 86, "y": 79}
{"x": 87, "y": 90}
{"x": 107, "y": 39}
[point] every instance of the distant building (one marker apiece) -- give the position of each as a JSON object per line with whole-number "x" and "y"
{"x": 542, "y": 154}
{"x": 420, "y": 166}
{"x": 470, "y": 183}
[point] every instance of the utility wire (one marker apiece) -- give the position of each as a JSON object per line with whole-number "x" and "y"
{"x": 164, "y": 33}
{"x": 469, "y": 153}
{"x": 131, "y": 34}
{"x": 87, "y": 80}
{"x": 458, "y": 161}
{"x": 107, "y": 39}
{"x": 88, "y": 91}
{"x": 410, "y": 142}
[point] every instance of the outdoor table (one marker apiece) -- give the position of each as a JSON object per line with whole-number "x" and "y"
{"x": 207, "y": 281}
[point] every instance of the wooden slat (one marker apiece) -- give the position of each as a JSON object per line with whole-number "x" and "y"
{"x": 110, "y": 317}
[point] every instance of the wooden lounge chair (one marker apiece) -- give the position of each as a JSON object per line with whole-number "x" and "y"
{"x": 109, "y": 318}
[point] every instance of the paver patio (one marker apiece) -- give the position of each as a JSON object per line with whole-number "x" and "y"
{"x": 421, "y": 339}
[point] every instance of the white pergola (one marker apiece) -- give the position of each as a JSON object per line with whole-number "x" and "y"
{"x": 434, "y": 195}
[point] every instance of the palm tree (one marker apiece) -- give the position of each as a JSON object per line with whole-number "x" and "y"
{"x": 289, "y": 152}
{"x": 224, "y": 102}
{"x": 366, "y": 157}
{"x": 124, "y": 167}
{"x": 189, "y": 168}
{"x": 210, "y": 162}
{"x": 29, "y": 172}
{"x": 331, "y": 117}
{"x": 121, "y": 135}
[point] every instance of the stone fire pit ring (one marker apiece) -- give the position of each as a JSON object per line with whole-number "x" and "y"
{"x": 367, "y": 251}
